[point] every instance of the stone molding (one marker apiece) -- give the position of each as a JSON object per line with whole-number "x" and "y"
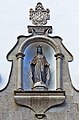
{"x": 40, "y": 30}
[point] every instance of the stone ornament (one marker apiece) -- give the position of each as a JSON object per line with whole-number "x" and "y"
{"x": 40, "y": 16}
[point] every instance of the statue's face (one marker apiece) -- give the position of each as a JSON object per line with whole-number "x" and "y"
{"x": 39, "y": 50}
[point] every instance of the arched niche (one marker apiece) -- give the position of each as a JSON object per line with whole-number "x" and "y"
{"x": 53, "y": 47}
{"x": 30, "y": 52}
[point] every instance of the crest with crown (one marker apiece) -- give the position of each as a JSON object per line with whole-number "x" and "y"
{"x": 40, "y": 16}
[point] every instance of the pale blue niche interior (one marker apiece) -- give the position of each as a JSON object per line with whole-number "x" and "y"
{"x": 30, "y": 52}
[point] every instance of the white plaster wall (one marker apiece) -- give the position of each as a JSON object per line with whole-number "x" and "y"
{"x": 14, "y": 17}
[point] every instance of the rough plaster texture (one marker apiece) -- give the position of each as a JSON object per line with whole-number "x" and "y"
{"x": 9, "y": 110}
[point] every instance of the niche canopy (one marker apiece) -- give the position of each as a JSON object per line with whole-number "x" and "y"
{"x": 39, "y": 65}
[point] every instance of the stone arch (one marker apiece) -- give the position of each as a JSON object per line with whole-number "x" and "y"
{"x": 59, "y": 57}
{"x": 44, "y": 39}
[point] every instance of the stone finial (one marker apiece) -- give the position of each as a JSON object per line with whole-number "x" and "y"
{"x": 40, "y": 16}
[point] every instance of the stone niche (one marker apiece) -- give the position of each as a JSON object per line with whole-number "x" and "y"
{"x": 39, "y": 95}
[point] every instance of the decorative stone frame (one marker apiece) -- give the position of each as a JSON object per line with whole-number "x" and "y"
{"x": 48, "y": 98}
{"x": 55, "y": 97}
{"x": 59, "y": 59}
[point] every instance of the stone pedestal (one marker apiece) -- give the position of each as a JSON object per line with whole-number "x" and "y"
{"x": 40, "y": 86}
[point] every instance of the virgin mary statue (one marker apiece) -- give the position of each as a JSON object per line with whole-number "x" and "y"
{"x": 40, "y": 72}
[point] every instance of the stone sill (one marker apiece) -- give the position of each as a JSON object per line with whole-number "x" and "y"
{"x": 39, "y": 101}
